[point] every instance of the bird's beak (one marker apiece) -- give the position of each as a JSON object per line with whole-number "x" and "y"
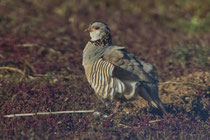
{"x": 88, "y": 29}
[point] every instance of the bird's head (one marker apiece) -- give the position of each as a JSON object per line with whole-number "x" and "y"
{"x": 98, "y": 30}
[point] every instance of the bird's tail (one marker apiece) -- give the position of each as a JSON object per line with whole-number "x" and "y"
{"x": 153, "y": 100}
{"x": 158, "y": 104}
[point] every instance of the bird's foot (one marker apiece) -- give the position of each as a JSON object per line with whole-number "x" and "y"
{"x": 115, "y": 110}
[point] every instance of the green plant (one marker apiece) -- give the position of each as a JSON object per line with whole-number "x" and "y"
{"x": 191, "y": 55}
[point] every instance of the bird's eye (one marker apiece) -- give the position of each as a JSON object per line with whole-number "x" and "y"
{"x": 96, "y": 28}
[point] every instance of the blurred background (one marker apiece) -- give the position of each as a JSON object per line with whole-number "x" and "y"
{"x": 41, "y": 44}
{"x": 174, "y": 35}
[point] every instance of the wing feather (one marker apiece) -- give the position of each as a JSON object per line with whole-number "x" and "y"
{"x": 128, "y": 66}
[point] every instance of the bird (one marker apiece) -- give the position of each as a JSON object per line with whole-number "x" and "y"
{"x": 114, "y": 73}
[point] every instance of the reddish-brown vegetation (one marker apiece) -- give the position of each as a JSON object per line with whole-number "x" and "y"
{"x": 41, "y": 45}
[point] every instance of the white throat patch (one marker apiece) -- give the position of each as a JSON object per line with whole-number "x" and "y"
{"x": 96, "y": 35}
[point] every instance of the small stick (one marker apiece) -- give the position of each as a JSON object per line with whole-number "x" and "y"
{"x": 125, "y": 126}
{"x": 12, "y": 69}
{"x": 154, "y": 121}
{"x": 47, "y": 113}
{"x": 182, "y": 83}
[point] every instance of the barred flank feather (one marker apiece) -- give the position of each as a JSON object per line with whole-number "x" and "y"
{"x": 101, "y": 80}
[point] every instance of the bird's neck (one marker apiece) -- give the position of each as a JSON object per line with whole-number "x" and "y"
{"x": 92, "y": 53}
{"x": 95, "y": 49}
{"x": 104, "y": 41}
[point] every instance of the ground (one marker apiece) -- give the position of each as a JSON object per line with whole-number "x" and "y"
{"x": 41, "y": 44}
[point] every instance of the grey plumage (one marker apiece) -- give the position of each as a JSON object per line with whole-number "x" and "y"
{"x": 114, "y": 73}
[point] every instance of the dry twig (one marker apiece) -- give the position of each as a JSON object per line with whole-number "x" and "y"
{"x": 182, "y": 83}
{"x": 18, "y": 71}
{"x": 47, "y": 113}
{"x": 13, "y": 69}
{"x": 154, "y": 121}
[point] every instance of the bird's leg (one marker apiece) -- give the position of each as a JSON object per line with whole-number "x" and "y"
{"x": 116, "y": 107}
{"x": 117, "y": 104}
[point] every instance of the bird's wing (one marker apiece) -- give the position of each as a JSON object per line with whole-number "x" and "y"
{"x": 132, "y": 72}
{"x": 136, "y": 75}
{"x": 128, "y": 66}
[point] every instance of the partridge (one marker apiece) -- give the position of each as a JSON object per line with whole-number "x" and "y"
{"x": 114, "y": 73}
